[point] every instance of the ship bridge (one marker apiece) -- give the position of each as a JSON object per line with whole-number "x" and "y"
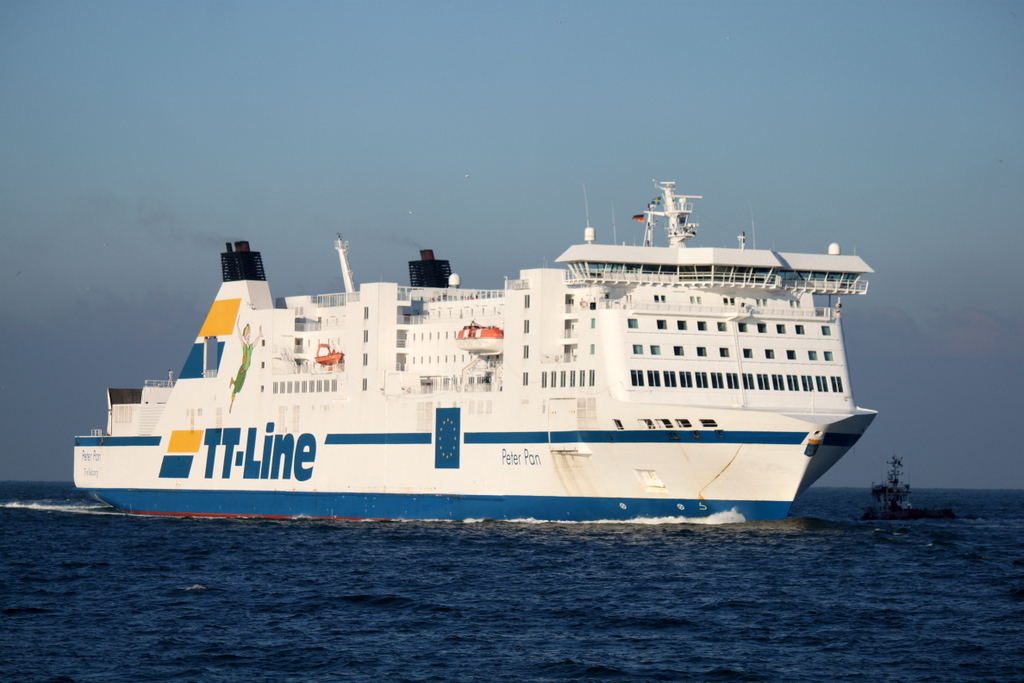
{"x": 716, "y": 268}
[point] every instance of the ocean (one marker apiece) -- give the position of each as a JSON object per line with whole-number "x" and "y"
{"x": 90, "y": 595}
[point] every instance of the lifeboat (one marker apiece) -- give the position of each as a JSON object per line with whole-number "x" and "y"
{"x": 484, "y": 341}
{"x": 325, "y": 355}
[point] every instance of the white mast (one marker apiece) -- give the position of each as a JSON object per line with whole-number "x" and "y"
{"x": 677, "y": 209}
{"x": 346, "y": 271}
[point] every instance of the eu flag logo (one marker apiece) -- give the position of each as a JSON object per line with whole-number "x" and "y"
{"x": 446, "y": 438}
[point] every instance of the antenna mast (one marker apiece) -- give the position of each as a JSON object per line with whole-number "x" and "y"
{"x": 677, "y": 209}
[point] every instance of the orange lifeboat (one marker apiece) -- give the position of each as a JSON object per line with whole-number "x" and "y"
{"x": 325, "y": 355}
{"x": 485, "y": 341}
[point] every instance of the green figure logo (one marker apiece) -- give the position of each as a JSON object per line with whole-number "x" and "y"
{"x": 247, "y": 347}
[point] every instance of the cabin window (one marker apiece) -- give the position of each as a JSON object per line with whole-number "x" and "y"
{"x": 685, "y": 379}
{"x": 683, "y": 423}
{"x": 812, "y": 355}
{"x": 777, "y": 384}
{"x": 716, "y": 380}
{"x": 593, "y": 374}
{"x": 708, "y": 423}
{"x": 807, "y": 382}
{"x": 732, "y": 380}
{"x": 637, "y": 377}
{"x": 562, "y": 377}
{"x": 526, "y": 301}
{"x": 722, "y": 327}
{"x": 723, "y": 352}
{"x": 667, "y": 423}
{"x": 526, "y": 327}
{"x": 526, "y": 352}
{"x": 781, "y": 329}
{"x": 670, "y": 378}
{"x": 826, "y": 331}
{"x": 632, "y": 323}
{"x": 769, "y": 354}
{"x": 638, "y": 349}
{"x": 702, "y": 351}
{"x": 762, "y": 382}
{"x": 748, "y": 353}
{"x": 593, "y": 323}
{"x": 762, "y": 328}
{"x": 618, "y": 424}
{"x": 655, "y": 350}
{"x": 790, "y": 355}
{"x": 653, "y": 380}
{"x": 593, "y": 349}
{"x": 799, "y": 329}
{"x": 828, "y": 355}
{"x": 681, "y": 325}
{"x": 837, "y": 385}
{"x": 364, "y": 384}
{"x": 366, "y": 312}
{"x": 662, "y": 324}
{"x": 702, "y": 326}
{"x": 526, "y": 379}
{"x": 677, "y": 350}
{"x": 748, "y": 380}
{"x": 792, "y": 382}
{"x": 702, "y": 380}
{"x": 742, "y": 327}
{"x": 543, "y": 380}
{"x": 822, "y": 383}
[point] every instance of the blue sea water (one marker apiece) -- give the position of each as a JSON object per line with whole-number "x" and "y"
{"x": 89, "y": 595}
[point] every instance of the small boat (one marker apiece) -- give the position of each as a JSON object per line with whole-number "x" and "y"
{"x": 485, "y": 341}
{"x": 891, "y": 500}
{"x": 325, "y": 355}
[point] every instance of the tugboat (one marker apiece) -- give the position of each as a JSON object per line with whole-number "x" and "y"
{"x": 891, "y": 500}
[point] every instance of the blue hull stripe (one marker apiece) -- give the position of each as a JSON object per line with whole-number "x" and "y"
{"x": 376, "y": 439}
{"x": 117, "y": 440}
{"x": 639, "y": 436}
{"x": 423, "y": 506}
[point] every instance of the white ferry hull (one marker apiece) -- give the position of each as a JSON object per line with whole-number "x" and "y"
{"x": 558, "y": 476}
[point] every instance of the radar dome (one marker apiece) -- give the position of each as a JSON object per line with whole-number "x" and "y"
{"x": 834, "y": 250}
{"x": 454, "y": 281}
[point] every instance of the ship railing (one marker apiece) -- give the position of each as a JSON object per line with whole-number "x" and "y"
{"x": 307, "y": 326}
{"x": 411, "y": 319}
{"x": 96, "y": 432}
{"x": 400, "y": 367}
{"x": 210, "y": 372}
{"x": 400, "y": 343}
{"x": 436, "y": 294}
{"x": 558, "y": 358}
{"x": 339, "y": 299}
{"x": 517, "y": 284}
{"x": 165, "y": 383}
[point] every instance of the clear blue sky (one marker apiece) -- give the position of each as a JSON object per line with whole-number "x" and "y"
{"x": 137, "y": 137}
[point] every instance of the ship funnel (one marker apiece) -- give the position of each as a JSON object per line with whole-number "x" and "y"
{"x": 241, "y": 264}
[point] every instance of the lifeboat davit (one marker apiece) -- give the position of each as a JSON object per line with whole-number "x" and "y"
{"x": 325, "y": 355}
{"x": 484, "y": 341}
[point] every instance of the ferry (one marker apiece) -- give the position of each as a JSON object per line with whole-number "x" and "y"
{"x": 628, "y": 383}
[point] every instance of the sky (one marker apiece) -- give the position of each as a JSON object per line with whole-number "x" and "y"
{"x": 137, "y": 138}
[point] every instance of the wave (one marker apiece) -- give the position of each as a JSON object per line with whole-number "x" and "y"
{"x": 74, "y": 508}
